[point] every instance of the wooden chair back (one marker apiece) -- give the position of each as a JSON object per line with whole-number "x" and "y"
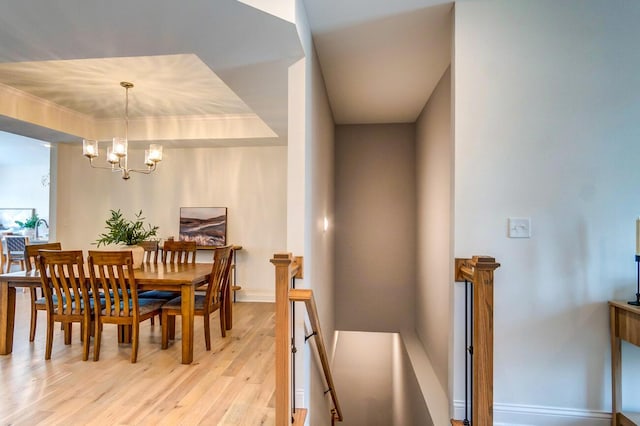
{"x": 217, "y": 288}
{"x": 31, "y": 262}
{"x": 219, "y": 278}
{"x": 62, "y": 275}
{"x": 150, "y": 251}
{"x": 31, "y": 253}
{"x": 66, "y": 294}
{"x": 112, "y": 275}
{"x": 179, "y": 252}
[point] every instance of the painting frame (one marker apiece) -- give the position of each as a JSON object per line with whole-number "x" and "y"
{"x": 207, "y": 226}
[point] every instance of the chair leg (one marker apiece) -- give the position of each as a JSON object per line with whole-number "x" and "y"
{"x": 67, "y": 333}
{"x": 172, "y": 327}
{"x": 223, "y": 323}
{"x": 34, "y": 315}
{"x": 49, "y": 344}
{"x": 165, "y": 331}
{"x": 207, "y": 332}
{"x": 96, "y": 340}
{"x": 134, "y": 342}
{"x": 86, "y": 331}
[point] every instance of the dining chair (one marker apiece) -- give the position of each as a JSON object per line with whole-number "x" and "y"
{"x": 66, "y": 295}
{"x": 173, "y": 252}
{"x": 150, "y": 251}
{"x": 179, "y": 252}
{"x": 112, "y": 274}
{"x": 38, "y": 303}
{"x": 204, "y": 305}
{"x": 15, "y": 250}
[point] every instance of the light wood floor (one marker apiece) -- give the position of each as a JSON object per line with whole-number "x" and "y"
{"x": 233, "y": 384}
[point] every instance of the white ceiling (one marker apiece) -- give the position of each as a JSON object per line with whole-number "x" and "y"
{"x": 74, "y": 54}
{"x": 381, "y": 60}
{"x": 92, "y": 87}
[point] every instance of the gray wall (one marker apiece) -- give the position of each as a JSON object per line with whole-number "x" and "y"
{"x": 310, "y": 173}
{"x": 434, "y": 157}
{"x": 409, "y": 405}
{"x": 363, "y": 371}
{"x": 375, "y": 192}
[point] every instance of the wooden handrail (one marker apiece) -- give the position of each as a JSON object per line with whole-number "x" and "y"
{"x": 479, "y": 271}
{"x": 287, "y": 266}
{"x": 306, "y": 296}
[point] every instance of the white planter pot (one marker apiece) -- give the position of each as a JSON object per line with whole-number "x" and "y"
{"x": 138, "y": 255}
{"x": 137, "y": 252}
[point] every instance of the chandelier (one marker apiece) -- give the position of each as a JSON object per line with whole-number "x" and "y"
{"x": 117, "y": 152}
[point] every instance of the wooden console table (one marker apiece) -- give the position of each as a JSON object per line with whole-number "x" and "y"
{"x": 625, "y": 325}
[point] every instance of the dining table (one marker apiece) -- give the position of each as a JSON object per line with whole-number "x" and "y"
{"x": 183, "y": 278}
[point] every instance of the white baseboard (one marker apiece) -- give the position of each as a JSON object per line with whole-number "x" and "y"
{"x": 299, "y": 398}
{"x": 534, "y": 415}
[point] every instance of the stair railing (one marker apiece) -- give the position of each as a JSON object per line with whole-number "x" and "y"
{"x": 477, "y": 273}
{"x": 287, "y": 268}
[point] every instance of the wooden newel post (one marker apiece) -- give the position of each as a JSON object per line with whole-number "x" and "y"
{"x": 286, "y": 267}
{"x": 479, "y": 271}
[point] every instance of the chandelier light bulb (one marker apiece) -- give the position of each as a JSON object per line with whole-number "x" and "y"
{"x": 117, "y": 153}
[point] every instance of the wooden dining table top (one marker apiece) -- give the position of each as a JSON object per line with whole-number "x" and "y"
{"x": 160, "y": 273}
{"x": 173, "y": 274}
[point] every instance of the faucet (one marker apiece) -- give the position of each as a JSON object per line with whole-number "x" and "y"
{"x": 38, "y": 227}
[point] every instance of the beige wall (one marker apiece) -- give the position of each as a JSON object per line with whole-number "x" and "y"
{"x": 375, "y": 227}
{"x": 249, "y": 181}
{"x": 434, "y": 156}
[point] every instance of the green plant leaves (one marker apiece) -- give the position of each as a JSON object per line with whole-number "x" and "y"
{"x": 29, "y": 223}
{"x": 121, "y": 230}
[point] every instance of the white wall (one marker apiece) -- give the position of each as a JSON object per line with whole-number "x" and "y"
{"x": 375, "y": 227}
{"x": 23, "y": 164}
{"x": 434, "y": 168}
{"x": 546, "y": 126}
{"x": 249, "y": 181}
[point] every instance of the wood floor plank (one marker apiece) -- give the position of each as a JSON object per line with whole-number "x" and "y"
{"x": 233, "y": 384}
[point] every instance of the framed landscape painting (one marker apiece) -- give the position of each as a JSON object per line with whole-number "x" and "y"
{"x": 207, "y": 226}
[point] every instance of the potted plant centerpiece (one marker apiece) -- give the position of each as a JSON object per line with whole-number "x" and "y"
{"x": 127, "y": 232}
{"x": 29, "y": 225}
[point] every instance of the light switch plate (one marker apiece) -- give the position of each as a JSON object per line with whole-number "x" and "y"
{"x": 519, "y": 227}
